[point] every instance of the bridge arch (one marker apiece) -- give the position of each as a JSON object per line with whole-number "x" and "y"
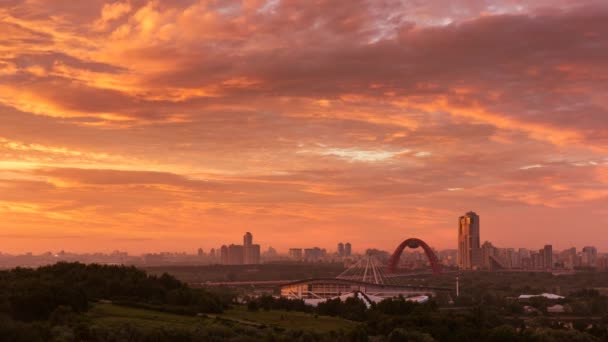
{"x": 414, "y": 243}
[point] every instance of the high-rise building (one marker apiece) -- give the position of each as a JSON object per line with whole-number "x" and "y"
{"x": 247, "y": 239}
{"x": 348, "y": 249}
{"x": 548, "y": 256}
{"x": 200, "y": 252}
{"x": 235, "y": 255}
{"x": 251, "y": 252}
{"x": 469, "y": 251}
{"x": 341, "y": 249}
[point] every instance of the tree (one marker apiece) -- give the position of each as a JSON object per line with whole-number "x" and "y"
{"x": 253, "y": 306}
{"x": 402, "y": 335}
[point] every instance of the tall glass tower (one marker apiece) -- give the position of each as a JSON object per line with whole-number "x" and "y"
{"x": 469, "y": 251}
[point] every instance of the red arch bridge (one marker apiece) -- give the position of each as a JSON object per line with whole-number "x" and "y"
{"x": 370, "y": 270}
{"x": 393, "y": 262}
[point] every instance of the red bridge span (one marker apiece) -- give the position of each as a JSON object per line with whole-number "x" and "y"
{"x": 393, "y": 262}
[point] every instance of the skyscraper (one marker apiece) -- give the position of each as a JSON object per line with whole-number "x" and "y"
{"x": 247, "y": 239}
{"x": 348, "y": 249}
{"x": 469, "y": 251}
{"x": 251, "y": 252}
{"x": 341, "y": 249}
{"x": 235, "y": 255}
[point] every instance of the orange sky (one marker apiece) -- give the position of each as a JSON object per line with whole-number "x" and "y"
{"x": 149, "y": 125}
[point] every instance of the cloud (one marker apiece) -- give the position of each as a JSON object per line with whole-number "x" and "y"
{"x": 528, "y": 167}
{"x": 354, "y": 154}
{"x": 185, "y": 121}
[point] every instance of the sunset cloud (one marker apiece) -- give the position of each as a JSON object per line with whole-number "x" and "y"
{"x": 184, "y": 123}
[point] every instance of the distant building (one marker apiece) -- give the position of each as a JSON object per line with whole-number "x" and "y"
{"x": 569, "y": 258}
{"x": 513, "y": 258}
{"x": 248, "y": 253}
{"x": 251, "y": 252}
{"x": 224, "y": 255}
{"x": 548, "y": 255}
{"x": 589, "y": 256}
{"x": 312, "y": 254}
{"x": 200, "y": 252}
{"x": 538, "y": 260}
{"x": 448, "y": 257}
{"x": 295, "y": 253}
{"x": 341, "y": 249}
{"x": 602, "y": 263}
{"x": 247, "y": 239}
{"x": 487, "y": 251}
{"x": 271, "y": 252}
{"x": 469, "y": 251}
{"x": 236, "y": 255}
{"x": 348, "y": 249}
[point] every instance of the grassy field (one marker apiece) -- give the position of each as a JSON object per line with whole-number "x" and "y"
{"x": 290, "y": 320}
{"x": 114, "y": 316}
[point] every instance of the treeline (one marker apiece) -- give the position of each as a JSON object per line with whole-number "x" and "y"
{"x": 76, "y": 328}
{"x": 34, "y": 294}
{"x": 397, "y": 319}
{"x": 221, "y": 273}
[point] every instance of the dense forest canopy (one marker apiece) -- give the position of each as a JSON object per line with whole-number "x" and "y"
{"x": 33, "y": 294}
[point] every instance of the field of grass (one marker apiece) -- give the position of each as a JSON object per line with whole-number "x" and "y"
{"x": 110, "y": 315}
{"x": 290, "y": 320}
{"x": 114, "y": 315}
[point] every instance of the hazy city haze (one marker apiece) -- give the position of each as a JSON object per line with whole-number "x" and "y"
{"x": 171, "y": 125}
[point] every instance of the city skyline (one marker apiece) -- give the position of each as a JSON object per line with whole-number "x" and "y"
{"x": 345, "y": 249}
{"x": 468, "y": 246}
{"x": 147, "y": 126}
{"x": 470, "y": 256}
